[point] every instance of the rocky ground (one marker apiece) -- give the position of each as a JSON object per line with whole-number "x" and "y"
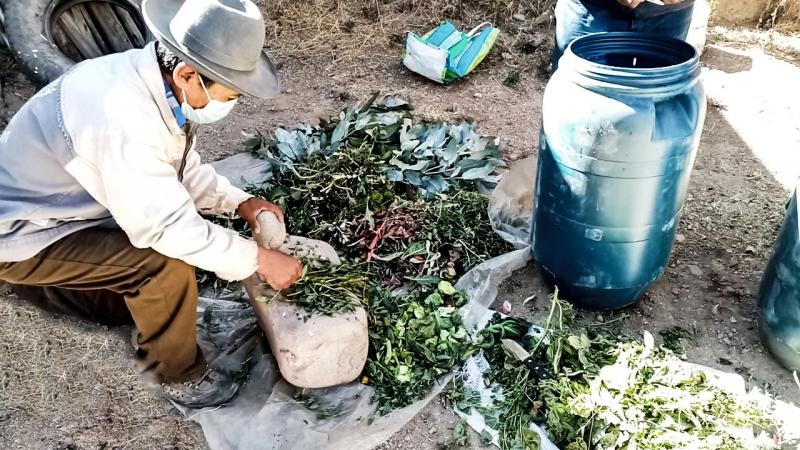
{"x": 65, "y": 384}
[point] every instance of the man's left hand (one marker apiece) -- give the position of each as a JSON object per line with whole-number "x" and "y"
{"x": 250, "y": 208}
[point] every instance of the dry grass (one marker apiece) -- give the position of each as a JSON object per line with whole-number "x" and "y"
{"x": 338, "y": 30}
{"x": 64, "y": 384}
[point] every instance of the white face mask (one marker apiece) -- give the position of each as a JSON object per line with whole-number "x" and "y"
{"x": 215, "y": 110}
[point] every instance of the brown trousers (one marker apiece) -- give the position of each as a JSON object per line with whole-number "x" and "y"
{"x": 98, "y": 275}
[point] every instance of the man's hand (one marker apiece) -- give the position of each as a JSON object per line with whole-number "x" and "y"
{"x": 278, "y": 269}
{"x": 249, "y": 209}
{"x": 630, "y": 3}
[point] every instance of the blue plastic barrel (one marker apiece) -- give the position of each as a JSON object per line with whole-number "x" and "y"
{"x": 621, "y": 124}
{"x": 779, "y": 295}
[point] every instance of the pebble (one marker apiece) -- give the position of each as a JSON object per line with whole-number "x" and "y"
{"x": 733, "y": 320}
{"x": 680, "y": 238}
{"x": 544, "y": 17}
{"x": 520, "y": 17}
{"x": 695, "y": 270}
{"x": 676, "y": 291}
{"x": 600, "y": 318}
{"x": 750, "y": 249}
{"x": 432, "y": 430}
{"x": 477, "y": 95}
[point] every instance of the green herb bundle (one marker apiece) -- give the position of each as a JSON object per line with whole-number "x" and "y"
{"x": 330, "y": 289}
{"x": 607, "y": 394}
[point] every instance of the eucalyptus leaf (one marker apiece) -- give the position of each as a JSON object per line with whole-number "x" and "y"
{"x": 419, "y": 165}
{"x": 412, "y": 177}
{"x": 451, "y": 152}
{"x": 478, "y": 173}
{"x": 394, "y": 175}
{"x": 286, "y": 150}
{"x": 435, "y": 184}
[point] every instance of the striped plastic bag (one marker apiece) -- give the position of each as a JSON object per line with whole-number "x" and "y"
{"x": 445, "y": 54}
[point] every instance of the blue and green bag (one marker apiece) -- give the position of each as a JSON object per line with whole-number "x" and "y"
{"x": 445, "y": 54}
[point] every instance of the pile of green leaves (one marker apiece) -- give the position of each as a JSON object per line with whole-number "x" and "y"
{"x": 414, "y": 340}
{"x": 429, "y": 156}
{"x": 648, "y": 399}
{"x": 608, "y": 394}
{"x": 382, "y": 186}
{"x": 399, "y": 198}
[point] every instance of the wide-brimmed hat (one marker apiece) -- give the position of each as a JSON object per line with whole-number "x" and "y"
{"x": 223, "y": 39}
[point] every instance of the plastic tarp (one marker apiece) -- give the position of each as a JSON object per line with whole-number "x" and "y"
{"x": 265, "y": 413}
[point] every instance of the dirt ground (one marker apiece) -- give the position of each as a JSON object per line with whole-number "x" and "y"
{"x": 66, "y": 384}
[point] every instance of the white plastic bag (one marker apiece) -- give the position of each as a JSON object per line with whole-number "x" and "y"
{"x": 425, "y": 59}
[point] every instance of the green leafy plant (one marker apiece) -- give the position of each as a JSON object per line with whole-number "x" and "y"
{"x": 609, "y": 394}
{"x": 414, "y": 340}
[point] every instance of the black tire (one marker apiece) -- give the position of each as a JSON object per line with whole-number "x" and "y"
{"x": 26, "y": 27}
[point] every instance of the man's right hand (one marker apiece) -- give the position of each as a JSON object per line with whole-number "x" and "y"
{"x": 630, "y": 3}
{"x": 278, "y": 269}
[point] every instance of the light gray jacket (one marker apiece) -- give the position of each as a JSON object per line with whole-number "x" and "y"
{"x": 101, "y": 145}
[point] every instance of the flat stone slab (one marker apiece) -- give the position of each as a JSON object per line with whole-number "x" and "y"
{"x": 312, "y": 350}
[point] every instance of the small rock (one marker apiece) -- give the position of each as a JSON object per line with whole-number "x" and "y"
{"x": 507, "y": 56}
{"x": 733, "y": 320}
{"x": 680, "y": 238}
{"x": 676, "y": 291}
{"x": 520, "y": 17}
{"x": 727, "y": 341}
{"x": 543, "y": 18}
{"x": 750, "y": 250}
{"x": 715, "y": 309}
{"x": 432, "y": 430}
{"x": 600, "y": 318}
{"x": 695, "y": 270}
{"x": 477, "y": 95}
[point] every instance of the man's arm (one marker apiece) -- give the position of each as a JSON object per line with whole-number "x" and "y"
{"x": 155, "y": 210}
{"x": 211, "y": 192}
{"x": 214, "y": 194}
